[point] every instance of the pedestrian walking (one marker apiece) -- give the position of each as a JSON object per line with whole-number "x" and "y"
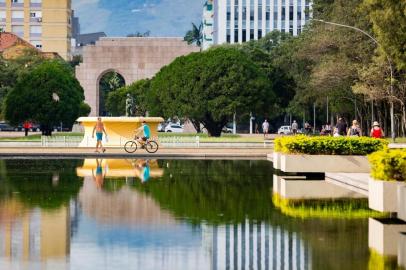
{"x": 354, "y": 130}
{"x": 327, "y": 129}
{"x": 265, "y": 128}
{"x": 342, "y": 127}
{"x": 99, "y": 128}
{"x": 27, "y": 125}
{"x": 308, "y": 128}
{"x": 376, "y": 131}
{"x": 295, "y": 127}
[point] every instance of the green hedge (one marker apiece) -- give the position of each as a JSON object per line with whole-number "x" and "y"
{"x": 328, "y": 145}
{"x": 388, "y": 165}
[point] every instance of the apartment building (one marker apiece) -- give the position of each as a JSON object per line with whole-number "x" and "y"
{"x": 46, "y": 24}
{"x": 237, "y": 21}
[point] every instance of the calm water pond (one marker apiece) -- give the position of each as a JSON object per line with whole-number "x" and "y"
{"x": 165, "y": 214}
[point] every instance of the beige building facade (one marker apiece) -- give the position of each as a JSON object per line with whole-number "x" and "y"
{"x": 46, "y": 24}
{"x": 133, "y": 58}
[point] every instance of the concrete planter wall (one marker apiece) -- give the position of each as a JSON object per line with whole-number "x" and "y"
{"x": 276, "y": 160}
{"x": 402, "y": 250}
{"x": 383, "y": 237}
{"x": 319, "y": 189}
{"x": 402, "y": 203}
{"x": 323, "y": 163}
{"x": 383, "y": 195}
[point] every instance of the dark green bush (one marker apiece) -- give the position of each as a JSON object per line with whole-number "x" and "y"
{"x": 388, "y": 165}
{"x": 328, "y": 145}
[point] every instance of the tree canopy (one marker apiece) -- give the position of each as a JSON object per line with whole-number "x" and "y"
{"x": 48, "y": 94}
{"x": 209, "y": 87}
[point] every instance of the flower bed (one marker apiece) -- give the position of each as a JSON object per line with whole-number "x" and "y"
{"x": 388, "y": 165}
{"x": 360, "y": 146}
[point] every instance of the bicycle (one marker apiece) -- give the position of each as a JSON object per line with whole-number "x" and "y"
{"x": 150, "y": 146}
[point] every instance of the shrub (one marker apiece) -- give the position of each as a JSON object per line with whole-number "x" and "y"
{"x": 328, "y": 145}
{"x": 388, "y": 165}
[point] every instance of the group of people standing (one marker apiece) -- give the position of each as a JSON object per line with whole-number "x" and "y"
{"x": 342, "y": 129}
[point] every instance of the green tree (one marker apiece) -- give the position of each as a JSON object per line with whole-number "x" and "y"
{"x": 388, "y": 18}
{"x": 209, "y": 87}
{"x": 48, "y": 95}
{"x": 195, "y": 36}
{"x": 12, "y": 69}
{"x": 110, "y": 82}
{"x": 53, "y": 184}
{"x": 115, "y": 102}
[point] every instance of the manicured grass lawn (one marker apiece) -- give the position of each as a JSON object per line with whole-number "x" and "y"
{"x": 164, "y": 136}
{"x": 401, "y": 140}
{"x": 37, "y": 137}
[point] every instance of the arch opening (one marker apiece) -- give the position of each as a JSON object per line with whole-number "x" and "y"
{"x": 108, "y": 82}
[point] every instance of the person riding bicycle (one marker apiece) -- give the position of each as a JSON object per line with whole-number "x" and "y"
{"x": 146, "y": 133}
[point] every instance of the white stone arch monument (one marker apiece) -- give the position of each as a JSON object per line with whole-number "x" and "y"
{"x": 133, "y": 58}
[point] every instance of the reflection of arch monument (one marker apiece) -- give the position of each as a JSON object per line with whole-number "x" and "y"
{"x": 132, "y": 58}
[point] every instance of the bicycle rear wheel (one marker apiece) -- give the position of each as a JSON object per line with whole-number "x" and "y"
{"x": 130, "y": 147}
{"x": 151, "y": 147}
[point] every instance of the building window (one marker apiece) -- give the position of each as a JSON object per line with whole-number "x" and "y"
{"x": 36, "y": 43}
{"x": 36, "y": 1}
{"x": 251, "y": 33}
{"x": 17, "y": 16}
{"x": 36, "y": 14}
{"x": 259, "y": 34}
{"x": 18, "y": 30}
{"x": 244, "y": 35}
{"x": 17, "y": 1}
{"x": 2, "y": 16}
{"x": 35, "y": 29}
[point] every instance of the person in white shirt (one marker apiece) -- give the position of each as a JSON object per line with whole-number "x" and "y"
{"x": 295, "y": 127}
{"x": 265, "y": 127}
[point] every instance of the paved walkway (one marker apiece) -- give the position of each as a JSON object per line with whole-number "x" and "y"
{"x": 353, "y": 181}
{"x": 179, "y": 153}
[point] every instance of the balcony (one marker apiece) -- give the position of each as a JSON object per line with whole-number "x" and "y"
{"x": 17, "y": 5}
{"x": 36, "y": 5}
{"x": 35, "y": 35}
{"x": 17, "y": 20}
{"x": 35, "y": 20}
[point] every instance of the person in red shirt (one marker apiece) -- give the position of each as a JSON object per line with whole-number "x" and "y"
{"x": 27, "y": 125}
{"x": 376, "y": 131}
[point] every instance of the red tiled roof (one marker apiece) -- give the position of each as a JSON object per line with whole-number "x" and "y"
{"x": 8, "y": 40}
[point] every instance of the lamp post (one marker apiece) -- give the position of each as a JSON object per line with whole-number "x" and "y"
{"x": 392, "y": 116}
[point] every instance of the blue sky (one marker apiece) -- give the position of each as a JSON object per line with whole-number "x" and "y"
{"x": 121, "y": 17}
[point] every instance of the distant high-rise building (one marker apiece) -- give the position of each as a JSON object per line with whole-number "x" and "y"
{"x": 75, "y": 26}
{"x": 237, "y": 21}
{"x": 46, "y": 24}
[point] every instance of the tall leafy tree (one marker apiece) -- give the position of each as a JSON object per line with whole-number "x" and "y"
{"x": 209, "y": 87}
{"x": 48, "y": 95}
{"x": 388, "y": 18}
{"x": 195, "y": 36}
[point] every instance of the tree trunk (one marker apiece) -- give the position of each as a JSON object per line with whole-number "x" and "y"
{"x": 214, "y": 128}
{"x": 196, "y": 124}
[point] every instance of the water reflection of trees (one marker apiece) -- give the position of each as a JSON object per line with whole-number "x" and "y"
{"x": 48, "y": 184}
{"x": 214, "y": 191}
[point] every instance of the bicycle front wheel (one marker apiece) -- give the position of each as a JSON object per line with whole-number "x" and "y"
{"x": 151, "y": 147}
{"x": 130, "y": 147}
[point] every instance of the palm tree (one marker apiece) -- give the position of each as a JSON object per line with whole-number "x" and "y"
{"x": 195, "y": 36}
